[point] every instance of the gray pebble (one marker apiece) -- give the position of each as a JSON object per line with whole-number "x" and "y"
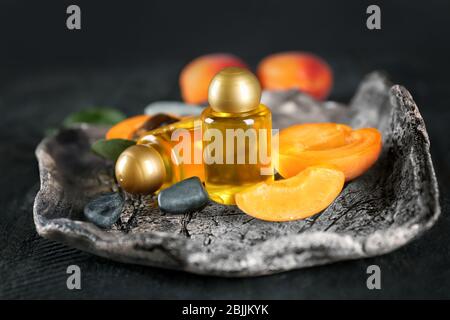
{"x": 104, "y": 210}
{"x": 182, "y": 197}
{"x": 173, "y": 107}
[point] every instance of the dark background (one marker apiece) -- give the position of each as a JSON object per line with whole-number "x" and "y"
{"x": 129, "y": 53}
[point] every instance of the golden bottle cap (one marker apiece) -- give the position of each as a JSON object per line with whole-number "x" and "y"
{"x": 234, "y": 90}
{"x": 140, "y": 170}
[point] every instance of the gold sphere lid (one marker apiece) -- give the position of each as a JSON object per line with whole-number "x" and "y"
{"x": 234, "y": 90}
{"x": 140, "y": 170}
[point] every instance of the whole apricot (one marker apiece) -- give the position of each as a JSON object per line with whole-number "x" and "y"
{"x": 196, "y": 75}
{"x": 296, "y": 70}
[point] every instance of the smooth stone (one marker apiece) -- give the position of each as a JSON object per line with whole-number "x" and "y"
{"x": 183, "y": 197}
{"x": 173, "y": 107}
{"x": 104, "y": 210}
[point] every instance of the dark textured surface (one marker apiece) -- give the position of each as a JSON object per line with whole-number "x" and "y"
{"x": 375, "y": 214}
{"x": 47, "y": 72}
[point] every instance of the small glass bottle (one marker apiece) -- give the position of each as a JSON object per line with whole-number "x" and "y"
{"x": 154, "y": 163}
{"x": 235, "y": 115}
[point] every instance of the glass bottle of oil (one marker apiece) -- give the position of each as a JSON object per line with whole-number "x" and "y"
{"x": 236, "y": 135}
{"x": 162, "y": 157}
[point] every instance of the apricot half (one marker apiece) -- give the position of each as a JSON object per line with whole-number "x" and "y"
{"x": 196, "y": 76}
{"x": 313, "y": 136}
{"x": 296, "y": 70}
{"x": 307, "y": 193}
{"x": 359, "y": 152}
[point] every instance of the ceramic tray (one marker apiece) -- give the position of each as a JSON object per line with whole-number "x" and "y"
{"x": 390, "y": 205}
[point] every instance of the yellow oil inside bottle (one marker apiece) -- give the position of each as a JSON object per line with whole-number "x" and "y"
{"x": 228, "y": 147}
{"x": 178, "y": 165}
{"x": 245, "y": 151}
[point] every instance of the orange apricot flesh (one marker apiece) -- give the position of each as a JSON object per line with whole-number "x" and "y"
{"x": 313, "y": 136}
{"x": 355, "y": 157}
{"x": 299, "y": 197}
{"x": 191, "y": 168}
{"x": 125, "y": 129}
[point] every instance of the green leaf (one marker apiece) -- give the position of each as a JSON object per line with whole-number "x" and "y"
{"x": 101, "y": 116}
{"x": 112, "y": 148}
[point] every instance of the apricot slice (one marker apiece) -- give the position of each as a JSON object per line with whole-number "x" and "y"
{"x": 299, "y": 70}
{"x": 196, "y": 76}
{"x": 299, "y": 197}
{"x": 134, "y": 127}
{"x": 355, "y": 157}
{"x": 126, "y": 128}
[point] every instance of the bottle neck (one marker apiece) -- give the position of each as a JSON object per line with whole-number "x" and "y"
{"x": 236, "y": 114}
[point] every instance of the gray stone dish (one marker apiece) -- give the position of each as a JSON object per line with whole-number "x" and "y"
{"x": 389, "y": 206}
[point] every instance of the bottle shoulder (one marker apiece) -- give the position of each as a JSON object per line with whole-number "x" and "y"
{"x": 261, "y": 111}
